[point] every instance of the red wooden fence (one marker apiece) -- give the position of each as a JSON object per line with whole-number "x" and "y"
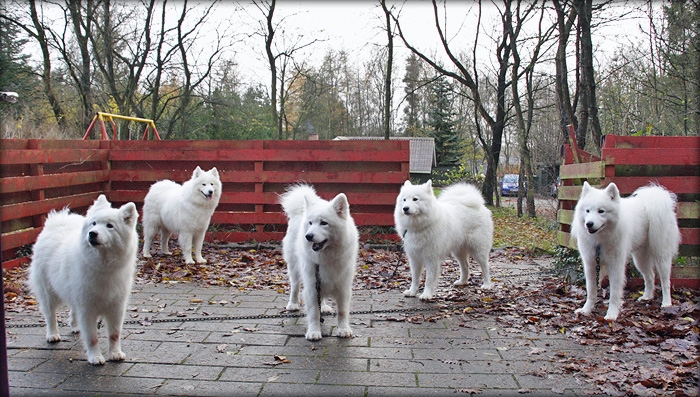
{"x": 631, "y": 162}
{"x": 39, "y": 175}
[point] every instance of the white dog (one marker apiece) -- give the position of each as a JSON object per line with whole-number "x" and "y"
{"x": 87, "y": 263}
{"x": 608, "y": 228}
{"x": 456, "y": 223}
{"x": 185, "y": 210}
{"x": 320, "y": 249}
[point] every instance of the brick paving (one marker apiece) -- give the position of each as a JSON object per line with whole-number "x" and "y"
{"x": 270, "y": 356}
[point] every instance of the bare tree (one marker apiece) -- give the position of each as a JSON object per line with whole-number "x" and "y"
{"x": 493, "y": 114}
{"x": 524, "y": 117}
{"x": 387, "y": 78}
{"x": 568, "y": 13}
{"x": 268, "y": 32}
{"x": 38, "y": 31}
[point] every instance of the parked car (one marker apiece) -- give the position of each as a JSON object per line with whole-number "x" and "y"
{"x": 509, "y": 185}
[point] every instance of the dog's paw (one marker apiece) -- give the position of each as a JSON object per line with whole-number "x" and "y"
{"x": 293, "y": 307}
{"x": 146, "y": 254}
{"x": 410, "y": 292}
{"x": 646, "y": 297}
{"x": 201, "y": 260}
{"x": 345, "y": 333}
{"x": 460, "y": 283}
{"x": 325, "y": 308}
{"x": 583, "y": 311}
{"x": 189, "y": 261}
{"x": 487, "y": 285}
{"x": 426, "y": 296}
{"x": 117, "y": 356}
{"x": 97, "y": 359}
{"x": 665, "y": 303}
{"x": 53, "y": 338}
{"x": 313, "y": 335}
{"x": 612, "y": 314}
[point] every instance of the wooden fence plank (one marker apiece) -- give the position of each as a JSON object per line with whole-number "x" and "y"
{"x": 593, "y": 170}
{"x": 267, "y": 155}
{"x": 17, "y": 184}
{"x": 26, "y": 156}
{"x": 656, "y": 156}
{"x": 31, "y": 208}
{"x": 651, "y": 142}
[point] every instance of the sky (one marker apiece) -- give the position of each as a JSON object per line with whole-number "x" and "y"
{"x": 357, "y": 28}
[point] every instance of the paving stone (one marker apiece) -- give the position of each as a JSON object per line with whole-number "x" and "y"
{"x": 350, "y": 378}
{"x": 280, "y": 389}
{"x": 175, "y": 387}
{"x": 388, "y": 356}
{"x": 174, "y": 371}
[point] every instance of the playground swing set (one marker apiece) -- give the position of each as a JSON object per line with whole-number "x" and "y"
{"x": 102, "y": 117}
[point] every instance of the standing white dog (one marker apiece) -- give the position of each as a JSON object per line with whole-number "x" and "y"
{"x": 89, "y": 264}
{"x": 185, "y": 210}
{"x": 320, "y": 249}
{"x": 608, "y": 228}
{"x": 456, "y": 223}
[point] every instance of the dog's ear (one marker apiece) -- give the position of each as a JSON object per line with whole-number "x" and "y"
{"x": 341, "y": 206}
{"x": 613, "y": 192}
{"x": 196, "y": 172}
{"x": 586, "y": 188}
{"x": 101, "y": 202}
{"x": 214, "y": 172}
{"x": 429, "y": 184}
{"x": 407, "y": 183}
{"x": 129, "y": 214}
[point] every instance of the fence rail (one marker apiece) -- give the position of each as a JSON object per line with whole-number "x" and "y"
{"x": 39, "y": 175}
{"x": 632, "y": 162}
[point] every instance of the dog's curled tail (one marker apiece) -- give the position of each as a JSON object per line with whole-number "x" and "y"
{"x": 660, "y": 206}
{"x": 463, "y": 193}
{"x": 55, "y": 218}
{"x": 294, "y": 200}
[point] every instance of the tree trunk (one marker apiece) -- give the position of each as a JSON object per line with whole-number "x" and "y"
{"x": 387, "y": 78}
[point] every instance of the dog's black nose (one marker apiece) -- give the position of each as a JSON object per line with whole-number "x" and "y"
{"x": 309, "y": 237}
{"x": 406, "y": 209}
{"x": 92, "y": 238}
{"x": 589, "y": 224}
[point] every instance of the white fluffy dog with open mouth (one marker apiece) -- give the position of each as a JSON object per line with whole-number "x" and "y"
{"x": 87, "y": 263}
{"x": 609, "y": 228}
{"x": 185, "y": 210}
{"x": 320, "y": 249}
{"x": 457, "y": 222}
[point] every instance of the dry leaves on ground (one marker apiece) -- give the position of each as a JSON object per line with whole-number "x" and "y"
{"x": 669, "y": 337}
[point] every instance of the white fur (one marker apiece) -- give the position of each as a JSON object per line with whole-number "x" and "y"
{"x": 642, "y": 225}
{"x": 185, "y": 210}
{"x": 87, "y": 263}
{"x": 320, "y": 233}
{"x": 456, "y": 223}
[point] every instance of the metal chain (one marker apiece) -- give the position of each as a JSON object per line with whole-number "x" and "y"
{"x": 250, "y": 317}
{"x": 282, "y": 315}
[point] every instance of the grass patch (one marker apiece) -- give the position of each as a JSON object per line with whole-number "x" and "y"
{"x": 536, "y": 235}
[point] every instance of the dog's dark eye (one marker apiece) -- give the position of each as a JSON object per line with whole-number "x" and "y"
{"x": 588, "y": 211}
{"x": 310, "y": 223}
{"x": 415, "y": 199}
{"x": 601, "y": 211}
{"x": 109, "y": 226}
{"x": 94, "y": 223}
{"x": 324, "y": 223}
